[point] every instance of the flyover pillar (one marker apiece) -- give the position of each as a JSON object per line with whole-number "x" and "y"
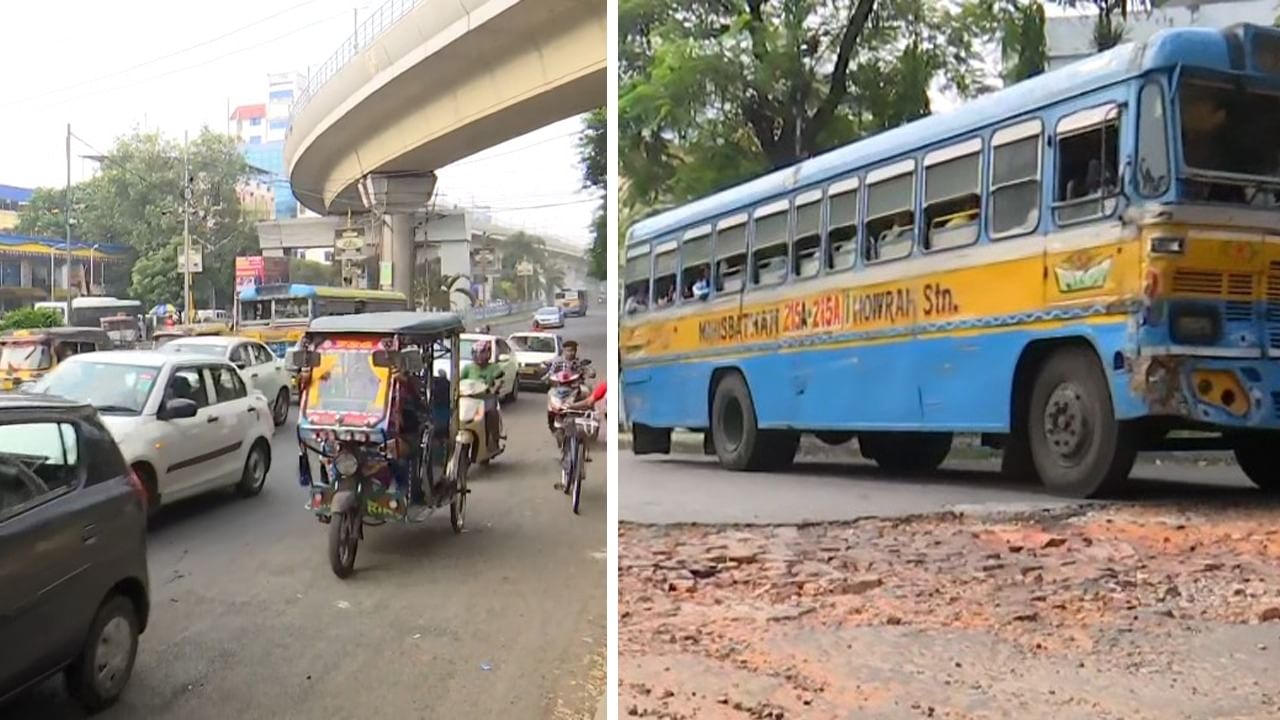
{"x": 396, "y": 198}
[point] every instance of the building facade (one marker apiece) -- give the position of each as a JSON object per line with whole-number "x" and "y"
{"x": 35, "y": 269}
{"x": 12, "y": 201}
{"x": 261, "y": 129}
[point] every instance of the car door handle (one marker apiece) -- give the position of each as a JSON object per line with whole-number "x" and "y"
{"x": 212, "y": 419}
{"x": 89, "y": 534}
{"x": 254, "y": 376}
{"x": 252, "y": 409}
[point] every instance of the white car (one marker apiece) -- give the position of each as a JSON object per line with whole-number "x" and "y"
{"x": 533, "y": 351}
{"x": 502, "y": 356}
{"x": 261, "y": 368}
{"x": 549, "y": 317}
{"x": 186, "y": 423}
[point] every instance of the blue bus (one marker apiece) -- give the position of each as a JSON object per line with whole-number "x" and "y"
{"x": 1074, "y": 267}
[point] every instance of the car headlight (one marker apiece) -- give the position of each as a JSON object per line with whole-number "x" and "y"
{"x": 1195, "y": 324}
{"x": 346, "y": 463}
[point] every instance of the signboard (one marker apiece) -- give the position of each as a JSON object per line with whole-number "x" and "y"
{"x": 384, "y": 274}
{"x": 524, "y": 269}
{"x": 350, "y": 239}
{"x": 255, "y": 271}
{"x": 194, "y": 261}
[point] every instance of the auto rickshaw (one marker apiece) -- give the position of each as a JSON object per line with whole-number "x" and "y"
{"x": 162, "y": 337}
{"x": 26, "y": 355}
{"x": 376, "y": 418}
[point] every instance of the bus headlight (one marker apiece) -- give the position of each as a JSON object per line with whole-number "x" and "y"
{"x": 1168, "y": 244}
{"x": 346, "y": 464}
{"x": 1195, "y": 324}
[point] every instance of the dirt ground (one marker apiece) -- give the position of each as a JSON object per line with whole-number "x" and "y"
{"x": 1120, "y": 612}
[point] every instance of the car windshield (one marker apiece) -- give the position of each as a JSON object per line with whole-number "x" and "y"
{"x": 534, "y": 343}
{"x": 176, "y": 346}
{"x": 25, "y": 356}
{"x": 1228, "y": 144}
{"x": 549, "y": 311}
{"x": 109, "y": 387}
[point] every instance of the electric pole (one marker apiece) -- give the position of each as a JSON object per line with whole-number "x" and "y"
{"x": 186, "y": 231}
{"x": 66, "y": 211}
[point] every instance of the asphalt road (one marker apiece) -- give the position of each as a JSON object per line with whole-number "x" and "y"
{"x": 688, "y": 488}
{"x": 506, "y": 620}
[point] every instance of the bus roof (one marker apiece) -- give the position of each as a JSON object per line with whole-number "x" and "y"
{"x": 1207, "y": 48}
{"x": 287, "y": 290}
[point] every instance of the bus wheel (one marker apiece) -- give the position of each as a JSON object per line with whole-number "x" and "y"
{"x": 739, "y": 443}
{"x": 905, "y": 453}
{"x": 1078, "y": 447}
{"x": 1258, "y": 463}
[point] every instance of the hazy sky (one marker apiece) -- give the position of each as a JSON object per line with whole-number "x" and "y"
{"x": 106, "y": 67}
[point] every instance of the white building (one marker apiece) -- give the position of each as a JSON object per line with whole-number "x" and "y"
{"x": 1070, "y": 38}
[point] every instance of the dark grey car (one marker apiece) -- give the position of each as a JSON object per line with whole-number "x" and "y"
{"x": 74, "y": 594}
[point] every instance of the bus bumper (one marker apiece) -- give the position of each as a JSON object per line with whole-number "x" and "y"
{"x": 1227, "y": 393}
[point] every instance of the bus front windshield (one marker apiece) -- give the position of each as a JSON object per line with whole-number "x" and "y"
{"x": 1229, "y": 145}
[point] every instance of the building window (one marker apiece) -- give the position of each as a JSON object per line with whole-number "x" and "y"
{"x": 255, "y": 140}
{"x": 280, "y": 124}
{"x": 281, "y": 96}
{"x": 255, "y": 122}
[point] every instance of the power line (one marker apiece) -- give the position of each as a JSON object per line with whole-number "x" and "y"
{"x": 175, "y": 53}
{"x": 224, "y": 56}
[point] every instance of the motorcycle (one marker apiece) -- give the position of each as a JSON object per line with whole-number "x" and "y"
{"x": 472, "y": 440}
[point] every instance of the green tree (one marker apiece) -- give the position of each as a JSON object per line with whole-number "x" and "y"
{"x": 137, "y": 200}
{"x": 592, "y": 150}
{"x": 523, "y": 247}
{"x": 309, "y": 272}
{"x": 29, "y": 318}
{"x": 713, "y": 93}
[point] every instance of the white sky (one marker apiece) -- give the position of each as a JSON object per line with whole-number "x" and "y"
{"x": 75, "y": 61}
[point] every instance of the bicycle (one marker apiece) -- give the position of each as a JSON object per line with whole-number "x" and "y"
{"x": 577, "y": 426}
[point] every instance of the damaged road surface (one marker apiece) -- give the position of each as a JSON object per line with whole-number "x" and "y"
{"x": 1087, "y": 612}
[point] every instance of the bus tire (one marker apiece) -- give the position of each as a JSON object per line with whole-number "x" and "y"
{"x": 1257, "y": 460}
{"x": 739, "y": 442}
{"x": 906, "y": 453}
{"x": 1078, "y": 447}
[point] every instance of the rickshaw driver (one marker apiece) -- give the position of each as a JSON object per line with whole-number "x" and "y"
{"x": 481, "y": 370}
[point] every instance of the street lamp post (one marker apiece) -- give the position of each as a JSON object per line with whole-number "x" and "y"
{"x": 89, "y": 286}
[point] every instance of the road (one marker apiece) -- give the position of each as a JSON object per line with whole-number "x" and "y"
{"x": 689, "y": 488}
{"x": 506, "y": 620}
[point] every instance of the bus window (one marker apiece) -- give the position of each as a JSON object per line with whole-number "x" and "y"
{"x": 636, "y": 279}
{"x": 731, "y": 254}
{"x": 769, "y": 254}
{"x": 1088, "y": 164}
{"x": 1015, "y": 180}
{"x": 695, "y": 263}
{"x": 1153, "y": 142}
{"x": 664, "y": 278}
{"x": 808, "y": 235}
{"x": 292, "y": 309}
{"x": 842, "y": 237}
{"x": 891, "y": 212}
{"x": 952, "y": 195}
{"x": 255, "y": 311}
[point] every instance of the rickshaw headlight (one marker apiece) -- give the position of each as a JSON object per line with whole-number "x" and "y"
{"x": 346, "y": 463}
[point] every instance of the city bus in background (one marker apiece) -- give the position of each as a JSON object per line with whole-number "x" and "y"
{"x": 277, "y": 315}
{"x": 573, "y": 302}
{"x": 92, "y": 310}
{"x": 1081, "y": 266}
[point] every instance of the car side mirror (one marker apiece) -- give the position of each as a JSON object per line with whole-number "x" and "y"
{"x": 385, "y": 358}
{"x": 178, "y": 409}
{"x": 298, "y": 359}
{"x": 504, "y": 357}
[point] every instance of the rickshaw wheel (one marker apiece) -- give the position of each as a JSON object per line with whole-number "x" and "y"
{"x": 344, "y": 541}
{"x": 458, "y": 508}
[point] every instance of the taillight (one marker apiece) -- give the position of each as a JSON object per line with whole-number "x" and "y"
{"x": 135, "y": 482}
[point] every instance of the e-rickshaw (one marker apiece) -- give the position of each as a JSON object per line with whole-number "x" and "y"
{"x": 163, "y": 336}
{"x": 26, "y": 355}
{"x": 377, "y": 413}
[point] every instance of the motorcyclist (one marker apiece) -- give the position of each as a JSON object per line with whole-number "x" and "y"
{"x": 566, "y": 361}
{"x": 480, "y": 369}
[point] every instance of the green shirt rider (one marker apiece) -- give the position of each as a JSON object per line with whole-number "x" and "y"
{"x": 481, "y": 369}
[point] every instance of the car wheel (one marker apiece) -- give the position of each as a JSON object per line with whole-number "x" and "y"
{"x": 280, "y": 408}
{"x": 149, "y": 484}
{"x": 254, "y": 476}
{"x": 98, "y": 676}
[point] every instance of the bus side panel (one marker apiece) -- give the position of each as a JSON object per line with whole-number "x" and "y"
{"x": 669, "y": 395}
{"x": 855, "y": 386}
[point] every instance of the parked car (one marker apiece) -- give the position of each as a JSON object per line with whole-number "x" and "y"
{"x": 533, "y": 351}
{"x": 549, "y": 317}
{"x": 74, "y": 594}
{"x": 186, "y": 423}
{"x": 262, "y": 369}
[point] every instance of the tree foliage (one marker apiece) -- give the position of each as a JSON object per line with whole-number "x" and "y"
{"x": 593, "y": 152}
{"x": 136, "y": 199}
{"x": 29, "y": 318}
{"x": 310, "y": 272}
{"x": 715, "y": 92}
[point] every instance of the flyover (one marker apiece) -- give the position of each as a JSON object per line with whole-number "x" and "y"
{"x": 424, "y": 83}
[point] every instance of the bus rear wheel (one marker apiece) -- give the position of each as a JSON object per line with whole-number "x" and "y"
{"x": 1078, "y": 447}
{"x": 739, "y": 442}
{"x": 908, "y": 453}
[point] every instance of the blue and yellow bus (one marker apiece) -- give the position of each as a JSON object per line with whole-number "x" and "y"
{"x": 1074, "y": 267}
{"x": 277, "y": 315}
